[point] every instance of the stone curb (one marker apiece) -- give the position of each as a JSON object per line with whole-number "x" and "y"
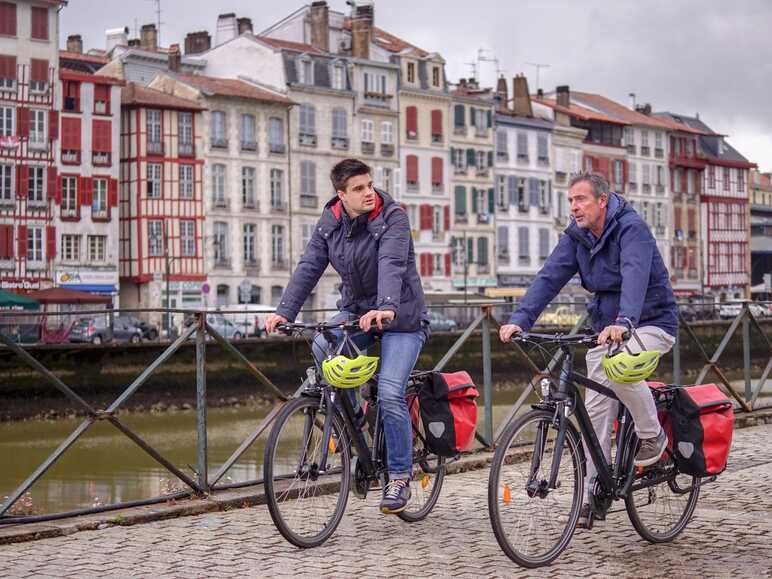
{"x": 230, "y": 499}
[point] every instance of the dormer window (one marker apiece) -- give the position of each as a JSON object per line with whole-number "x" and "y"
{"x": 305, "y": 69}
{"x": 436, "y": 76}
{"x": 338, "y": 76}
{"x": 411, "y": 72}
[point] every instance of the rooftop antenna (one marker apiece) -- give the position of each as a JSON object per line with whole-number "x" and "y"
{"x": 481, "y": 57}
{"x": 473, "y": 66}
{"x": 538, "y": 66}
{"x": 158, "y": 18}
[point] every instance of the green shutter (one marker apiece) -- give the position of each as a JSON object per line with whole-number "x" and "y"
{"x": 471, "y": 116}
{"x": 471, "y": 157}
{"x": 490, "y": 119}
{"x": 490, "y": 158}
{"x": 460, "y": 116}
{"x": 473, "y": 207}
{"x": 460, "y": 200}
{"x": 491, "y": 201}
{"x": 470, "y": 250}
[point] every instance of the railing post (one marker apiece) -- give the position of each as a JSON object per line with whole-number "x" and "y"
{"x": 746, "y": 329}
{"x": 487, "y": 378}
{"x": 201, "y": 444}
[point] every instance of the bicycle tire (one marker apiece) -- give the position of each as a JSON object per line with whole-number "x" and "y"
{"x": 520, "y": 459}
{"x": 284, "y": 499}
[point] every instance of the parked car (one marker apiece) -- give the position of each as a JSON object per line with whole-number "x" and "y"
{"x": 561, "y": 316}
{"x": 223, "y": 326}
{"x": 149, "y": 331}
{"x": 440, "y": 323}
{"x": 732, "y": 310}
{"x": 124, "y": 330}
{"x": 95, "y": 330}
{"x": 696, "y": 312}
{"x": 250, "y": 318}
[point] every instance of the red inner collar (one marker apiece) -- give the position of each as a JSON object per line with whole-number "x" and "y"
{"x": 337, "y": 208}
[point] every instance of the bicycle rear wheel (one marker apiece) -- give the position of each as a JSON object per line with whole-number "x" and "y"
{"x": 659, "y": 512}
{"x": 532, "y": 523}
{"x": 306, "y": 504}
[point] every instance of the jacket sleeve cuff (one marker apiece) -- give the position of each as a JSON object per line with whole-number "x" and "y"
{"x": 519, "y": 320}
{"x": 287, "y": 313}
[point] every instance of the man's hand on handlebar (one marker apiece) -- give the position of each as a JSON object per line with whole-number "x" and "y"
{"x": 508, "y": 330}
{"x": 272, "y": 321}
{"x": 375, "y": 319}
{"x": 614, "y": 334}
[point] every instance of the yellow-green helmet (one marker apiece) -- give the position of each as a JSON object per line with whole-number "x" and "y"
{"x": 344, "y": 372}
{"x": 626, "y": 368}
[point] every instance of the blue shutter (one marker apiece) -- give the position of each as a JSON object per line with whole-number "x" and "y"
{"x": 533, "y": 192}
{"x": 512, "y": 187}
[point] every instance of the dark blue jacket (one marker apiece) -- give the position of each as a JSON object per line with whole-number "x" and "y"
{"x": 374, "y": 256}
{"x": 623, "y": 269}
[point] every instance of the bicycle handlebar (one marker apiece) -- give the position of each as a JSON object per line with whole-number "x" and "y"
{"x": 297, "y": 327}
{"x": 561, "y": 338}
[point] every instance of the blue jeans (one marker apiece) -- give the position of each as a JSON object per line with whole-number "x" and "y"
{"x": 399, "y": 353}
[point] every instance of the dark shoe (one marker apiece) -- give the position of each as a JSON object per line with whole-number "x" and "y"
{"x": 651, "y": 449}
{"x": 585, "y": 518}
{"x": 396, "y": 495}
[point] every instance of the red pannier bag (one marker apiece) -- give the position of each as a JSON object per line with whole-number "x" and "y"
{"x": 448, "y": 411}
{"x": 702, "y": 422}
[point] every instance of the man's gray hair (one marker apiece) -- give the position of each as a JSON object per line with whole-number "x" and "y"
{"x": 596, "y": 180}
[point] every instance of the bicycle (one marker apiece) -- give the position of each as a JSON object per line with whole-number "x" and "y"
{"x": 308, "y": 467}
{"x": 536, "y": 483}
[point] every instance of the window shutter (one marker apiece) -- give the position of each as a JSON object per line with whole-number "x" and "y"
{"x": 447, "y": 264}
{"x": 71, "y": 133}
{"x": 22, "y": 181}
{"x": 473, "y": 206}
{"x": 4, "y": 249}
{"x": 446, "y": 215}
{"x": 426, "y": 216}
{"x": 691, "y": 215}
{"x": 544, "y": 243}
{"x": 490, "y": 119}
{"x": 471, "y": 116}
{"x": 512, "y": 187}
{"x": 39, "y": 72}
{"x": 436, "y": 171}
{"x": 460, "y": 198}
{"x": 533, "y": 192}
{"x": 603, "y": 168}
{"x": 53, "y": 181}
{"x": 625, "y": 172}
{"x": 22, "y": 122}
{"x": 470, "y": 250}
{"x": 471, "y": 157}
{"x": 412, "y": 168}
{"x": 490, "y": 158}
{"x": 503, "y": 239}
{"x": 85, "y": 191}
{"x": 460, "y": 116}
{"x": 53, "y": 125}
{"x": 491, "y": 200}
{"x": 50, "y": 242}
{"x": 436, "y": 122}
{"x": 8, "y": 18}
{"x": 112, "y": 192}
{"x": 22, "y": 241}
{"x": 411, "y": 121}
{"x": 101, "y": 132}
{"x": 8, "y": 64}
{"x": 677, "y": 224}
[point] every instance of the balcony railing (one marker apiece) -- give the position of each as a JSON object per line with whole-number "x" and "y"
{"x": 543, "y": 161}
{"x": 71, "y": 156}
{"x": 659, "y": 188}
{"x": 503, "y": 257}
{"x": 631, "y": 149}
{"x": 279, "y": 264}
{"x": 460, "y": 218}
{"x": 252, "y": 267}
{"x": 71, "y": 104}
{"x": 100, "y": 107}
{"x": 460, "y": 130}
{"x": 339, "y": 142}
{"x": 278, "y": 206}
{"x": 222, "y": 262}
{"x": 310, "y": 201}
{"x": 522, "y": 158}
{"x": 412, "y": 186}
{"x": 99, "y": 213}
{"x": 277, "y": 148}
{"x": 437, "y": 139}
{"x": 250, "y": 204}
{"x": 155, "y": 148}
{"x": 249, "y": 145}
{"x": 437, "y": 188}
{"x": 483, "y": 218}
{"x": 412, "y": 135}
{"x": 646, "y": 188}
{"x": 368, "y": 148}
{"x": 101, "y": 158}
{"x": 185, "y": 149}
{"x": 502, "y": 156}
{"x": 459, "y": 169}
{"x": 645, "y": 150}
{"x": 632, "y": 187}
{"x": 218, "y": 143}
{"x": 481, "y": 132}
{"x": 222, "y": 202}
{"x": 482, "y": 171}
{"x": 307, "y": 139}
{"x": 387, "y": 150}
{"x": 659, "y": 153}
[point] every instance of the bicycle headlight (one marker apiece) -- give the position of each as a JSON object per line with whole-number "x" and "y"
{"x": 544, "y": 384}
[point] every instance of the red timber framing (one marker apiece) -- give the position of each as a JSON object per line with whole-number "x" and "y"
{"x": 34, "y": 181}
{"x": 138, "y": 209}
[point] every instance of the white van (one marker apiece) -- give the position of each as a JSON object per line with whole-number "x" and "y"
{"x": 248, "y": 318}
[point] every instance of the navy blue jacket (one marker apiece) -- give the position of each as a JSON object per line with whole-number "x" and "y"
{"x": 623, "y": 269}
{"x": 374, "y": 256}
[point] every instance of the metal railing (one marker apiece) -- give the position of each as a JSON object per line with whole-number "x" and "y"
{"x": 200, "y": 330}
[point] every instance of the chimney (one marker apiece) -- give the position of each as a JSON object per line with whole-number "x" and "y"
{"x": 632, "y": 101}
{"x": 362, "y": 17}
{"x": 148, "y": 37}
{"x": 116, "y": 37}
{"x": 75, "y": 43}
{"x": 244, "y": 25}
{"x": 540, "y": 94}
{"x": 174, "y": 58}
{"x": 501, "y": 93}
{"x": 564, "y": 96}
{"x": 320, "y": 25}
{"x": 134, "y": 43}
{"x": 521, "y": 98}
{"x": 226, "y": 28}
{"x": 643, "y": 109}
{"x": 197, "y": 42}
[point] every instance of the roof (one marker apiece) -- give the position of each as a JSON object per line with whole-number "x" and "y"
{"x": 618, "y": 111}
{"x": 677, "y": 124}
{"x": 60, "y": 295}
{"x": 579, "y": 112}
{"x": 388, "y": 41}
{"x": 82, "y": 63}
{"x": 709, "y": 140}
{"x": 232, "y": 88}
{"x": 289, "y": 45}
{"x": 137, "y": 95}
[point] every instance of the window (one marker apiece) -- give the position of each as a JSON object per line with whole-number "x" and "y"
{"x": 436, "y": 76}
{"x": 644, "y": 138}
{"x": 502, "y": 150}
{"x": 725, "y": 172}
{"x": 306, "y": 231}
{"x": 248, "y": 187}
{"x": 38, "y": 75}
{"x": 544, "y": 244}
{"x": 97, "y": 247}
{"x": 387, "y": 180}
{"x": 502, "y": 199}
{"x": 522, "y": 146}
{"x": 154, "y": 140}
{"x": 502, "y": 234}
{"x": 71, "y": 140}
{"x": 218, "y": 184}
{"x": 411, "y": 122}
{"x": 339, "y": 128}
{"x": 544, "y": 197}
{"x": 375, "y": 84}
{"x": 218, "y": 133}
{"x": 7, "y": 18}
{"x": 522, "y": 199}
{"x": 154, "y": 183}
{"x": 36, "y": 184}
{"x": 248, "y": 133}
{"x": 101, "y": 142}
{"x": 39, "y": 23}
{"x": 185, "y": 136}
{"x": 70, "y": 247}
{"x": 99, "y": 199}
{"x": 221, "y": 242}
{"x": 619, "y": 169}
{"x": 629, "y": 136}
{"x": 436, "y": 221}
{"x": 307, "y": 125}
{"x": 338, "y": 77}
{"x": 459, "y": 118}
{"x": 481, "y": 161}
{"x": 367, "y": 131}
{"x": 277, "y": 196}
{"x": 188, "y": 237}
{"x": 6, "y": 181}
{"x": 34, "y": 243}
{"x": 305, "y": 70}
{"x": 711, "y": 176}
{"x": 7, "y": 117}
{"x": 102, "y": 99}
{"x": 658, "y": 140}
{"x": 275, "y": 135}
{"x": 69, "y": 196}
{"x": 155, "y": 236}
{"x": 482, "y": 251}
{"x": 646, "y": 174}
{"x": 410, "y": 72}
{"x": 37, "y": 128}
{"x": 186, "y": 181}
{"x": 524, "y": 253}
{"x": 250, "y": 235}
{"x": 307, "y": 180}
{"x": 436, "y": 117}
{"x": 387, "y": 134}
{"x": 277, "y": 245}
{"x": 740, "y": 180}
{"x": 276, "y": 291}
{"x": 437, "y": 264}
{"x": 660, "y": 175}
{"x": 632, "y": 172}
{"x": 71, "y": 96}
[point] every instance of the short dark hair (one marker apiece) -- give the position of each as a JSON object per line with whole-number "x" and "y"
{"x": 596, "y": 180}
{"x": 346, "y": 169}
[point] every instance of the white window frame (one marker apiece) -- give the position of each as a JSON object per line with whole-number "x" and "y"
{"x": 277, "y": 245}
{"x": 99, "y": 198}
{"x": 387, "y": 133}
{"x": 35, "y": 248}
{"x": 221, "y": 244}
{"x": 305, "y": 70}
{"x": 218, "y": 182}
{"x": 248, "y": 187}
{"x": 248, "y": 130}
{"x": 249, "y": 236}
{"x": 217, "y": 132}
{"x": 37, "y": 128}
{"x": 307, "y": 119}
{"x": 277, "y": 188}
{"x": 186, "y": 128}
{"x": 155, "y": 238}
{"x": 97, "y": 248}
{"x": 7, "y": 120}
{"x": 154, "y": 180}
{"x": 188, "y": 237}
{"x": 187, "y": 181}
{"x": 154, "y": 126}
{"x": 339, "y": 123}
{"x": 338, "y": 76}
{"x": 70, "y": 247}
{"x": 275, "y": 133}
{"x": 307, "y": 178}
{"x": 367, "y": 130}
{"x": 36, "y": 191}
{"x": 7, "y": 182}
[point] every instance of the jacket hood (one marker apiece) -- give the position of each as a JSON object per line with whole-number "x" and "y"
{"x": 333, "y": 212}
{"x": 617, "y": 208}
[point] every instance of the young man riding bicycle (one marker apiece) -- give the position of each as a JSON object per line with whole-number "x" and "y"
{"x": 365, "y": 235}
{"x": 618, "y": 261}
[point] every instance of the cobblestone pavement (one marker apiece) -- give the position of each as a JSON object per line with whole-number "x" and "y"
{"x": 730, "y": 535}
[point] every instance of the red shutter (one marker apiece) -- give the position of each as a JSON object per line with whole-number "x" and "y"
{"x": 58, "y": 199}
{"x": 22, "y": 122}
{"x": 437, "y": 122}
{"x": 421, "y": 265}
{"x": 39, "y": 70}
{"x": 6, "y": 241}
{"x": 101, "y": 131}
{"x": 411, "y": 121}
{"x": 426, "y": 217}
{"x": 684, "y": 182}
{"x": 8, "y": 64}
{"x": 71, "y": 133}
{"x": 102, "y": 93}
{"x": 52, "y": 184}
{"x": 624, "y": 173}
{"x": 436, "y": 171}
{"x": 22, "y": 241}
{"x": 412, "y": 169}
{"x": 447, "y": 264}
{"x": 112, "y": 192}
{"x": 22, "y": 181}
{"x": 50, "y": 242}
{"x": 677, "y": 224}
{"x": 603, "y": 167}
{"x": 53, "y": 125}
{"x": 446, "y": 216}
{"x": 8, "y": 18}
{"x": 692, "y": 219}
{"x": 84, "y": 187}
{"x": 40, "y": 22}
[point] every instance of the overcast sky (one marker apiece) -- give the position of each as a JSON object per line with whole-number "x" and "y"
{"x": 709, "y": 57}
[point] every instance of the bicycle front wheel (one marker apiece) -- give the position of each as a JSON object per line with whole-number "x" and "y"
{"x": 532, "y": 522}
{"x": 305, "y": 498}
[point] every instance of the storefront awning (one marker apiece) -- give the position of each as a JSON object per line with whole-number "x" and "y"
{"x": 61, "y": 295}
{"x": 11, "y": 301}
{"x": 93, "y": 288}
